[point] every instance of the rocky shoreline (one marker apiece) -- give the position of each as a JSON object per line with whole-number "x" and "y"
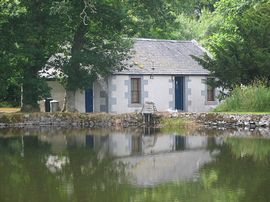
{"x": 225, "y": 120}
{"x": 103, "y": 120}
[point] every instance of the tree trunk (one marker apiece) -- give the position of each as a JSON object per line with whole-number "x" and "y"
{"x": 69, "y": 102}
{"x": 30, "y": 91}
{"x": 77, "y": 45}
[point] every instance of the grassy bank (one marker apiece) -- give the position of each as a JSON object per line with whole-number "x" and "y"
{"x": 252, "y": 98}
{"x": 179, "y": 125}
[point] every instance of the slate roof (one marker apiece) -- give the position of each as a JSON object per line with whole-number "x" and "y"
{"x": 164, "y": 57}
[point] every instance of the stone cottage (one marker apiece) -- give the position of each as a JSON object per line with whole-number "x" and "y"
{"x": 159, "y": 71}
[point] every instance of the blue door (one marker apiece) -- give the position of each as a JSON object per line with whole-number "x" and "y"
{"x": 89, "y": 100}
{"x": 179, "y": 93}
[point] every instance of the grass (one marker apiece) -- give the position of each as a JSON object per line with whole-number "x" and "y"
{"x": 178, "y": 125}
{"x": 9, "y": 110}
{"x": 254, "y": 98}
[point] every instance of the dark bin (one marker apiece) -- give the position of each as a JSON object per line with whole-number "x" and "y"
{"x": 47, "y": 104}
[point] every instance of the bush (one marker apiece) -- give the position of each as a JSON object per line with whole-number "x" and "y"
{"x": 6, "y": 104}
{"x": 251, "y": 98}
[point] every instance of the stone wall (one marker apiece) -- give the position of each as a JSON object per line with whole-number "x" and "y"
{"x": 85, "y": 120}
{"x": 22, "y": 120}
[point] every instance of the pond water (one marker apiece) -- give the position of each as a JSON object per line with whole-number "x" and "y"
{"x": 132, "y": 166}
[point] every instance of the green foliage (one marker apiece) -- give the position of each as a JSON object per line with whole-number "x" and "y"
{"x": 240, "y": 45}
{"x": 98, "y": 46}
{"x": 6, "y": 104}
{"x": 149, "y": 18}
{"x": 28, "y": 38}
{"x": 93, "y": 45}
{"x": 10, "y": 8}
{"x": 10, "y": 89}
{"x": 251, "y": 98}
{"x": 187, "y": 27}
{"x": 38, "y": 30}
{"x": 167, "y": 19}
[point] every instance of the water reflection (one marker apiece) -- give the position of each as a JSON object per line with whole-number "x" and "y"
{"x": 85, "y": 165}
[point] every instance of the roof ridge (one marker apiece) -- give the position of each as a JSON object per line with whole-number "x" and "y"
{"x": 201, "y": 47}
{"x": 163, "y": 40}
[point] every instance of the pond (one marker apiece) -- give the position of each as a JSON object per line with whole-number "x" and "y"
{"x": 54, "y": 165}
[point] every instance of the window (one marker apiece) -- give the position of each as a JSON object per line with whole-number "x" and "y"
{"x": 210, "y": 91}
{"x": 135, "y": 90}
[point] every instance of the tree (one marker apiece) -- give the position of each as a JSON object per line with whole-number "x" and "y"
{"x": 28, "y": 38}
{"x": 169, "y": 19}
{"x": 9, "y": 78}
{"x": 241, "y": 48}
{"x": 93, "y": 45}
{"x": 90, "y": 35}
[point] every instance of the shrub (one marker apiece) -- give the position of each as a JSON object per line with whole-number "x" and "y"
{"x": 6, "y": 104}
{"x": 251, "y": 98}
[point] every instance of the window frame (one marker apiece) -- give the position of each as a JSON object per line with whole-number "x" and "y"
{"x": 210, "y": 92}
{"x": 135, "y": 90}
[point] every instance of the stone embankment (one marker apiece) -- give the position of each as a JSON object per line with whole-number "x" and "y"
{"x": 224, "y": 120}
{"x": 69, "y": 120}
{"x": 220, "y": 120}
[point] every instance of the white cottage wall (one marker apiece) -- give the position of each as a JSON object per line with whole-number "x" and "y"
{"x": 160, "y": 90}
{"x": 114, "y": 95}
{"x": 80, "y": 100}
{"x": 100, "y": 96}
{"x": 157, "y": 89}
{"x": 57, "y": 92}
{"x": 196, "y": 100}
{"x": 117, "y": 88}
{"x": 96, "y": 97}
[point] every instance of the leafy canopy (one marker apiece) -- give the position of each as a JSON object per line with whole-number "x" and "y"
{"x": 241, "y": 46}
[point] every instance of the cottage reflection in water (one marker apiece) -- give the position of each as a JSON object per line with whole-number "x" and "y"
{"x": 149, "y": 159}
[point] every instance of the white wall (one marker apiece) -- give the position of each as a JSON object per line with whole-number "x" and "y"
{"x": 96, "y": 97}
{"x": 58, "y": 93}
{"x": 158, "y": 91}
{"x": 80, "y": 100}
{"x": 118, "y": 95}
{"x": 197, "y": 100}
{"x": 99, "y": 97}
{"x": 155, "y": 90}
